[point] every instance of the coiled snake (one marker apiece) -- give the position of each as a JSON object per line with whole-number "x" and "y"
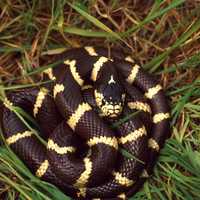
{"x": 89, "y": 92}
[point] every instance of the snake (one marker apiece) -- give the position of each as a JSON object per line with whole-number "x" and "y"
{"x": 103, "y": 118}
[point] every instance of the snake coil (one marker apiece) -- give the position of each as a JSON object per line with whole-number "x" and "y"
{"x": 83, "y": 154}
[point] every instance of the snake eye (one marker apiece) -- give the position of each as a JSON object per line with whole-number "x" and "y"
{"x": 103, "y": 102}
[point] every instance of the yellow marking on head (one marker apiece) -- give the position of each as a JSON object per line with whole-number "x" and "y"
{"x": 133, "y": 136}
{"x": 153, "y": 144}
{"x": 8, "y": 104}
{"x": 153, "y": 91}
{"x": 14, "y": 138}
{"x": 75, "y": 74}
{"x": 84, "y": 177}
{"x": 97, "y": 66}
{"x": 79, "y": 112}
{"x": 42, "y": 168}
{"x": 130, "y": 79}
{"x": 111, "y": 80}
{"x": 160, "y": 117}
{"x": 91, "y": 51}
{"x": 111, "y": 141}
{"x": 85, "y": 87}
{"x": 98, "y": 98}
{"x": 82, "y": 192}
{"x": 39, "y": 100}
{"x": 49, "y": 72}
{"x": 140, "y": 106}
{"x": 129, "y": 59}
{"x": 60, "y": 150}
{"x": 57, "y": 89}
{"x": 122, "y": 180}
{"x": 122, "y": 196}
{"x": 107, "y": 109}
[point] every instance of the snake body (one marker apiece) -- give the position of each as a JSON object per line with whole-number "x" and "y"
{"x": 82, "y": 155}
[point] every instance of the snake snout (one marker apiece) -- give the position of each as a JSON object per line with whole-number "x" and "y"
{"x": 110, "y": 101}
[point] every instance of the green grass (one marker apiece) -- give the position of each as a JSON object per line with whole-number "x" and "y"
{"x": 163, "y": 37}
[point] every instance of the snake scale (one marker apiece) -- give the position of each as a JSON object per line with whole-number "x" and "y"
{"x": 84, "y": 155}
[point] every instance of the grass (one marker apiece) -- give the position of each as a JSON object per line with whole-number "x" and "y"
{"x": 162, "y": 35}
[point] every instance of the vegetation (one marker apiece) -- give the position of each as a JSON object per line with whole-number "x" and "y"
{"x": 162, "y": 35}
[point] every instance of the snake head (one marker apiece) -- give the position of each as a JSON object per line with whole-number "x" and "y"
{"x": 110, "y": 97}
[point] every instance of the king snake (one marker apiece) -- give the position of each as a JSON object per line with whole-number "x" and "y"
{"x": 104, "y": 120}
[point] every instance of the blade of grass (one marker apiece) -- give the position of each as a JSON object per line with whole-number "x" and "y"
{"x": 95, "y": 21}
{"x": 155, "y": 63}
{"x": 85, "y": 33}
{"x": 153, "y": 16}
